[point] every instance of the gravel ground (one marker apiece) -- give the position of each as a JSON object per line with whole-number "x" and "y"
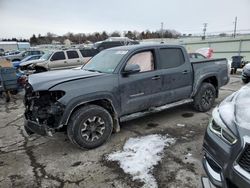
{"x": 34, "y": 161}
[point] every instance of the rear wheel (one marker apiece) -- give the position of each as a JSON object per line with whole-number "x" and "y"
{"x": 245, "y": 81}
{"x": 205, "y": 97}
{"x": 6, "y": 95}
{"x": 90, "y": 126}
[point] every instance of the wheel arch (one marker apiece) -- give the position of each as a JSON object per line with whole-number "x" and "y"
{"x": 103, "y": 102}
{"x": 212, "y": 79}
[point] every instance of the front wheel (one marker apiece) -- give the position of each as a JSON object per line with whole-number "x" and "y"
{"x": 90, "y": 126}
{"x": 205, "y": 97}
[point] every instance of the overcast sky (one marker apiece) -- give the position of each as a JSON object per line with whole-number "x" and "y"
{"x": 22, "y": 18}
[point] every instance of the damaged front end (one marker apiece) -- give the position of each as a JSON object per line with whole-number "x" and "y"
{"x": 42, "y": 111}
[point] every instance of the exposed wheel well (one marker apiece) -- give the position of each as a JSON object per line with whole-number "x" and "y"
{"x": 106, "y": 104}
{"x": 213, "y": 80}
{"x": 40, "y": 69}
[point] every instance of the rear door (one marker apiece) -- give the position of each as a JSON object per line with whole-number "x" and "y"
{"x": 177, "y": 75}
{"x": 73, "y": 59}
{"x": 139, "y": 90}
{"x": 58, "y": 60}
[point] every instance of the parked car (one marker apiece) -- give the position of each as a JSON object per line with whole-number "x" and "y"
{"x": 114, "y": 42}
{"x": 246, "y": 73}
{"x": 13, "y": 52}
{"x": 196, "y": 56}
{"x": 26, "y": 59}
{"x": 116, "y": 84}
{"x": 22, "y": 55}
{"x": 1, "y": 52}
{"x": 227, "y": 142}
{"x": 53, "y": 60}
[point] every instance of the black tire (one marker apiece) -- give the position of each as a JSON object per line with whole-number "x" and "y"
{"x": 14, "y": 92}
{"x": 90, "y": 126}
{"x": 6, "y": 95}
{"x": 205, "y": 97}
{"x": 245, "y": 81}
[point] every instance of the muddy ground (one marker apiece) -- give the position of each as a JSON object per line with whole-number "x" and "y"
{"x": 34, "y": 161}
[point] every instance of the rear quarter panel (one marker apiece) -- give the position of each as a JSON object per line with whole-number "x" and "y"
{"x": 210, "y": 68}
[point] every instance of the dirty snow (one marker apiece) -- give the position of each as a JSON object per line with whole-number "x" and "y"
{"x": 140, "y": 155}
{"x": 236, "y": 108}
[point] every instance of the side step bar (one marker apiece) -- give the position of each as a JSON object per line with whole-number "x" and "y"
{"x": 154, "y": 110}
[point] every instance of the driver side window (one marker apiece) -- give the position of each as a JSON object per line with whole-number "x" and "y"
{"x": 145, "y": 60}
{"x": 58, "y": 56}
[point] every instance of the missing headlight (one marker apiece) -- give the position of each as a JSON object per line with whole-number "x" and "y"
{"x": 43, "y": 107}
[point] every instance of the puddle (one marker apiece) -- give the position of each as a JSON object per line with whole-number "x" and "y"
{"x": 187, "y": 115}
{"x": 151, "y": 125}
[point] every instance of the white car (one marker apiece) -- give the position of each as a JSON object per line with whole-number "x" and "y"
{"x": 54, "y": 60}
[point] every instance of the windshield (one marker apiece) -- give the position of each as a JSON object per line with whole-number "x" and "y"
{"x": 106, "y": 61}
{"x": 46, "y": 56}
{"x": 26, "y": 59}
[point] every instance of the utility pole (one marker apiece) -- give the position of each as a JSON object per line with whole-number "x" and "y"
{"x": 161, "y": 32}
{"x": 204, "y": 31}
{"x": 235, "y": 25}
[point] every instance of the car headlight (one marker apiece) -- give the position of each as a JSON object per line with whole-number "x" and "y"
{"x": 219, "y": 128}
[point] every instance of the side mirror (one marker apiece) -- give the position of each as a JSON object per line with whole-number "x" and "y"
{"x": 131, "y": 68}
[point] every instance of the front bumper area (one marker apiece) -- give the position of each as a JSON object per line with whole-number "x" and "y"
{"x": 34, "y": 127}
{"x": 220, "y": 163}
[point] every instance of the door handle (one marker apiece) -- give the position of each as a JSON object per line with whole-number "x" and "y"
{"x": 156, "y": 77}
{"x": 65, "y": 61}
{"x": 185, "y": 72}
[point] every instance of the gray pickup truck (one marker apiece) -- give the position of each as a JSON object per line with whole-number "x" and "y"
{"x": 118, "y": 84}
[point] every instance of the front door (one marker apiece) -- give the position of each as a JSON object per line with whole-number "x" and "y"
{"x": 139, "y": 89}
{"x": 58, "y": 60}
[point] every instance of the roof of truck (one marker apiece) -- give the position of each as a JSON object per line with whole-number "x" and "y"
{"x": 141, "y": 46}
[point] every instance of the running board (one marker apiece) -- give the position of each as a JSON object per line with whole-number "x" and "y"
{"x": 154, "y": 110}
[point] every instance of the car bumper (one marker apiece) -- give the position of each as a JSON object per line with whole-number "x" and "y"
{"x": 220, "y": 163}
{"x": 34, "y": 127}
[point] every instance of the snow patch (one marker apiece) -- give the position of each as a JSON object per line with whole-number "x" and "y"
{"x": 180, "y": 125}
{"x": 140, "y": 155}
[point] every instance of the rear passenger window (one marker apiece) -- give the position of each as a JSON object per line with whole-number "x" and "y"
{"x": 89, "y": 52}
{"x": 72, "y": 54}
{"x": 171, "y": 57}
{"x": 58, "y": 56}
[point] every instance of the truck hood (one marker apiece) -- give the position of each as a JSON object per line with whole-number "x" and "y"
{"x": 46, "y": 80}
{"x": 234, "y": 110}
{"x": 32, "y": 62}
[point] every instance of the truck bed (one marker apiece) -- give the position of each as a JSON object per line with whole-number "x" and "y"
{"x": 204, "y": 68}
